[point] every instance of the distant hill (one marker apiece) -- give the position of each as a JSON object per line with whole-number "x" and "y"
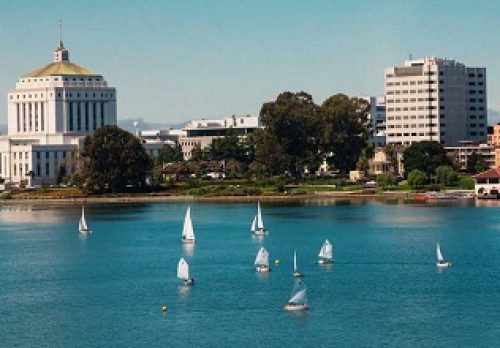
{"x": 493, "y": 116}
{"x": 128, "y": 125}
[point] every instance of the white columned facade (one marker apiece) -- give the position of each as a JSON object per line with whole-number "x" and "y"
{"x": 50, "y": 111}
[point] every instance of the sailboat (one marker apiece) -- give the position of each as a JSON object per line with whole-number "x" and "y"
{"x": 326, "y": 253}
{"x": 183, "y": 272}
{"x": 262, "y": 260}
{"x": 298, "y": 298}
{"x": 257, "y": 223}
{"x": 187, "y": 229}
{"x": 296, "y": 272}
{"x": 440, "y": 260}
{"x": 82, "y": 224}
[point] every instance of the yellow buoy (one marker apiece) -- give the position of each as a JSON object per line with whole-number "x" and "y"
{"x": 164, "y": 308}
{"x": 277, "y": 262}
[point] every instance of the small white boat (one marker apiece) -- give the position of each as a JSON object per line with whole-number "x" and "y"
{"x": 183, "y": 272}
{"x": 326, "y": 253}
{"x": 82, "y": 224}
{"x": 296, "y": 272}
{"x": 258, "y": 224}
{"x": 298, "y": 298}
{"x": 262, "y": 261}
{"x": 440, "y": 260}
{"x": 187, "y": 229}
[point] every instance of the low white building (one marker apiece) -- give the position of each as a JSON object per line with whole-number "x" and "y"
{"x": 202, "y": 132}
{"x": 50, "y": 112}
{"x": 487, "y": 184}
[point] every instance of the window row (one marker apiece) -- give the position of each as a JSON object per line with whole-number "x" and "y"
{"x": 80, "y": 114}
{"x": 30, "y": 117}
{"x": 65, "y": 79}
{"x": 413, "y": 125}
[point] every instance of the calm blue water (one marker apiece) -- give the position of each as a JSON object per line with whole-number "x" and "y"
{"x": 59, "y": 290}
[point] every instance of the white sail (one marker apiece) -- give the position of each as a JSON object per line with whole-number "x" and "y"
{"x": 262, "y": 258}
{"x": 183, "y": 269}
{"x": 295, "y": 261}
{"x": 187, "y": 229}
{"x": 299, "y": 293}
{"x": 82, "y": 225}
{"x": 260, "y": 223}
{"x": 254, "y": 224}
{"x": 326, "y": 251}
{"x": 438, "y": 253}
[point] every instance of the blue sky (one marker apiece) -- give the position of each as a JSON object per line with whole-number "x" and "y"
{"x": 176, "y": 60}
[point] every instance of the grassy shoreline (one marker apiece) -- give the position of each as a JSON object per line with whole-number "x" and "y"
{"x": 157, "y": 197}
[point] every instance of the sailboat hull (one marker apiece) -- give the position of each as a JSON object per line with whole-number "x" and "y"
{"x": 260, "y": 232}
{"x": 298, "y": 275}
{"x": 187, "y": 241}
{"x": 85, "y": 232}
{"x": 262, "y": 269}
{"x": 189, "y": 282}
{"x": 325, "y": 261}
{"x": 443, "y": 264}
{"x": 295, "y": 307}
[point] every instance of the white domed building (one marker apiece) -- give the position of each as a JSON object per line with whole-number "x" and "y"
{"x": 50, "y": 112}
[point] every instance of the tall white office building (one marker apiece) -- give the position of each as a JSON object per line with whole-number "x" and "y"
{"x": 435, "y": 99}
{"x": 50, "y": 112}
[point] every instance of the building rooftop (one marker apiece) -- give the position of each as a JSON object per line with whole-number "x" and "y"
{"x": 493, "y": 173}
{"x": 64, "y": 68}
{"x": 61, "y": 66}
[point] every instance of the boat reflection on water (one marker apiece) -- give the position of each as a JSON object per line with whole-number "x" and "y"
{"x": 184, "y": 291}
{"x": 31, "y": 215}
{"x": 188, "y": 249}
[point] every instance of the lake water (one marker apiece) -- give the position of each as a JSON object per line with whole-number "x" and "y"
{"x": 58, "y": 289}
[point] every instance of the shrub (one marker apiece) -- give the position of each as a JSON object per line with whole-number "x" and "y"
{"x": 416, "y": 178}
{"x": 446, "y": 175}
{"x": 386, "y": 179}
{"x": 466, "y": 183}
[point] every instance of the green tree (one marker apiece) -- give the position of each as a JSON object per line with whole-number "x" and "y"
{"x": 113, "y": 159}
{"x": 446, "y": 175}
{"x": 416, "y": 178}
{"x": 198, "y": 154}
{"x": 344, "y": 130}
{"x": 233, "y": 169}
{"x": 169, "y": 154}
{"x": 466, "y": 183}
{"x": 391, "y": 153}
{"x": 386, "y": 179}
{"x": 61, "y": 174}
{"x": 363, "y": 163}
{"x": 290, "y": 135}
{"x": 425, "y": 156}
{"x": 476, "y": 163}
{"x": 227, "y": 148}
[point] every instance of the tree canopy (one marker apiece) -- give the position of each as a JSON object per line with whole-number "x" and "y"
{"x": 475, "y": 163}
{"x": 425, "y": 156}
{"x": 299, "y": 134}
{"x": 290, "y": 132}
{"x": 345, "y": 130}
{"x": 112, "y": 160}
{"x": 170, "y": 153}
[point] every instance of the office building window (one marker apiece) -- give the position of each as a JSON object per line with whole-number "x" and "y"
{"x": 70, "y": 118}
{"x": 86, "y": 116}
{"x": 78, "y": 117}
{"x": 102, "y": 115}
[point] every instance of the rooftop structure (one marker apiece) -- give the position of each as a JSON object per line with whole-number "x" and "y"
{"x": 435, "y": 99}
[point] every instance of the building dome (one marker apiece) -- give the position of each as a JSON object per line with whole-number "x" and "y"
{"x": 61, "y": 66}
